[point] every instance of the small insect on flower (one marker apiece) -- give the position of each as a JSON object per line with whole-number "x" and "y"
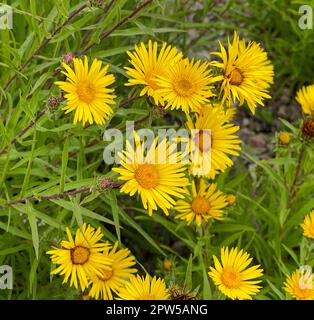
{"x": 300, "y": 285}
{"x": 110, "y": 281}
{"x": 308, "y": 225}
{"x": 246, "y": 73}
{"x": 232, "y": 275}
{"x": 144, "y": 288}
{"x": 81, "y": 257}
{"x": 156, "y": 176}
{"x": 187, "y": 85}
{"x": 305, "y": 97}
{"x": 148, "y": 64}
{"x": 214, "y": 140}
{"x": 201, "y": 205}
{"x": 87, "y": 91}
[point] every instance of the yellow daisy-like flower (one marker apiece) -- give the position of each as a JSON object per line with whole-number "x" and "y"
{"x": 246, "y": 73}
{"x": 232, "y": 277}
{"x": 148, "y": 64}
{"x": 156, "y": 177}
{"x": 86, "y": 91}
{"x": 201, "y": 205}
{"x": 300, "y": 285}
{"x": 111, "y": 280}
{"x": 81, "y": 257}
{"x": 308, "y": 225}
{"x": 140, "y": 288}
{"x": 187, "y": 85}
{"x": 213, "y": 140}
{"x": 305, "y": 97}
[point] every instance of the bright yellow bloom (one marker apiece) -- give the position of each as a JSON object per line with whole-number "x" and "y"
{"x": 81, "y": 257}
{"x": 300, "y": 285}
{"x": 308, "y": 225}
{"x": 213, "y": 140}
{"x": 246, "y": 73}
{"x": 201, "y": 205}
{"x": 140, "y": 288}
{"x": 148, "y": 64}
{"x": 233, "y": 277}
{"x": 186, "y": 85}
{"x": 111, "y": 280}
{"x": 284, "y": 138}
{"x": 305, "y": 97}
{"x": 156, "y": 176}
{"x": 86, "y": 91}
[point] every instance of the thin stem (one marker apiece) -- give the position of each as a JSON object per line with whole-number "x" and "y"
{"x": 115, "y": 185}
{"x": 117, "y": 25}
{"x": 293, "y": 188}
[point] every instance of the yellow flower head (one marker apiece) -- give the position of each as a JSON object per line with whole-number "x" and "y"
{"x": 156, "y": 176}
{"x": 81, "y": 257}
{"x": 213, "y": 140}
{"x": 300, "y": 285}
{"x": 148, "y": 64}
{"x": 201, "y": 205}
{"x": 86, "y": 91}
{"x": 308, "y": 225}
{"x": 111, "y": 280}
{"x": 232, "y": 275}
{"x": 246, "y": 73}
{"x": 186, "y": 85}
{"x": 140, "y": 288}
{"x": 305, "y": 97}
{"x": 284, "y": 138}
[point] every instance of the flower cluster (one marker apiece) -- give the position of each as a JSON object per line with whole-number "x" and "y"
{"x": 88, "y": 262}
{"x": 208, "y": 93}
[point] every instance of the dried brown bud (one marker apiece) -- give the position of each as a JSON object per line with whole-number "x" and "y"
{"x": 181, "y": 293}
{"x": 308, "y": 128}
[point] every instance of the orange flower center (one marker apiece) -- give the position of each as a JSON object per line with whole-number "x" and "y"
{"x": 231, "y": 278}
{"x": 80, "y": 255}
{"x": 236, "y": 77}
{"x": 182, "y": 87}
{"x": 85, "y": 91}
{"x": 106, "y": 275}
{"x": 147, "y": 175}
{"x": 200, "y": 205}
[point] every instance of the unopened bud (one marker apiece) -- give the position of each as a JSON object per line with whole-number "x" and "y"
{"x": 167, "y": 264}
{"x": 231, "y": 199}
{"x": 53, "y": 103}
{"x": 103, "y": 184}
{"x": 284, "y": 138}
{"x": 68, "y": 58}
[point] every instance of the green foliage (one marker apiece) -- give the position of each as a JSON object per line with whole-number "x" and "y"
{"x": 55, "y": 156}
